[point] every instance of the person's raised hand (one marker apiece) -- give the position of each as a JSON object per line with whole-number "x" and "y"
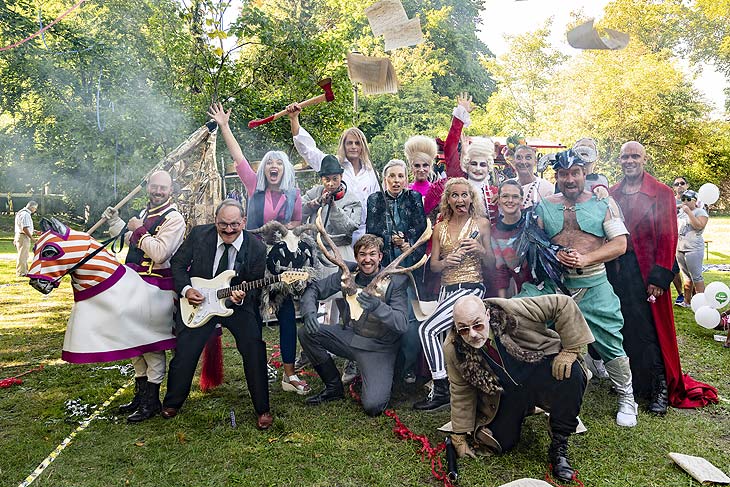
{"x": 217, "y": 113}
{"x": 465, "y": 100}
{"x": 293, "y": 110}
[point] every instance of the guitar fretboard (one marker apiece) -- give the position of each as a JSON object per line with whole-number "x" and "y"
{"x": 246, "y": 286}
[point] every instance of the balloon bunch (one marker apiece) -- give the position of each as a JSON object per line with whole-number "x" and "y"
{"x": 708, "y": 193}
{"x": 706, "y": 305}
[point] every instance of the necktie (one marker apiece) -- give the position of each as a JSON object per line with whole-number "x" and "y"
{"x": 223, "y": 263}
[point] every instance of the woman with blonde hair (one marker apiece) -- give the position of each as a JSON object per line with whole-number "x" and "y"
{"x": 352, "y": 152}
{"x": 460, "y": 246}
{"x": 420, "y": 152}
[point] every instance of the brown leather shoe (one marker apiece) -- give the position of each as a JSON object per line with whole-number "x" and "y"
{"x": 168, "y": 413}
{"x": 264, "y": 422}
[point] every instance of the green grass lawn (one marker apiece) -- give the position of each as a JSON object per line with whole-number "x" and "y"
{"x": 335, "y": 444}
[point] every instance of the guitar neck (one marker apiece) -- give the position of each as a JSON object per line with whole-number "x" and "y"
{"x": 247, "y": 286}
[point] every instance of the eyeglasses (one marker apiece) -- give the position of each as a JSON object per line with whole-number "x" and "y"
{"x": 224, "y": 225}
{"x": 626, "y": 157}
{"x": 464, "y": 331}
{"x": 680, "y": 183}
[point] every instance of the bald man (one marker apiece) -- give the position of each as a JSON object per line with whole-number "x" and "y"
{"x": 641, "y": 279}
{"x": 154, "y": 235}
{"x": 503, "y": 361}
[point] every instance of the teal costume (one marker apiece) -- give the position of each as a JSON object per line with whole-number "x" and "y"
{"x": 598, "y": 303}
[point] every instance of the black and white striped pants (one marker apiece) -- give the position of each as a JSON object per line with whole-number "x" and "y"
{"x": 432, "y": 330}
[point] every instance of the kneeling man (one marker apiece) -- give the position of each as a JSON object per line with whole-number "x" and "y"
{"x": 503, "y": 361}
{"x": 372, "y": 341}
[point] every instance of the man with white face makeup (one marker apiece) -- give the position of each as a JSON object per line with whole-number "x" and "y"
{"x": 503, "y": 361}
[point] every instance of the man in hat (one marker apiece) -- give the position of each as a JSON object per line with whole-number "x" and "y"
{"x": 642, "y": 277}
{"x": 589, "y": 233}
{"x": 341, "y": 208}
{"x": 503, "y": 360}
{"x": 341, "y": 216}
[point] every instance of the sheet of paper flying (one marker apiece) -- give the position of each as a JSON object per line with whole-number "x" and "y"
{"x": 376, "y": 74}
{"x": 585, "y": 36}
{"x": 700, "y": 469}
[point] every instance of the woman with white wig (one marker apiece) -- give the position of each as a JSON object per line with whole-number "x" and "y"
{"x": 272, "y": 195}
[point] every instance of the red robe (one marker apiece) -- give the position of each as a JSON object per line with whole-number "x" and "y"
{"x": 652, "y": 223}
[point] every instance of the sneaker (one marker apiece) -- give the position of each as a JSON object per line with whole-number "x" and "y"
{"x": 350, "y": 372}
{"x": 679, "y": 301}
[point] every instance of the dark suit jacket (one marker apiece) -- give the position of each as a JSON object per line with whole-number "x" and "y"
{"x": 388, "y": 321}
{"x": 195, "y": 258}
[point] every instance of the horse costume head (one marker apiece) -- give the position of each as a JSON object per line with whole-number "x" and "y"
{"x": 57, "y": 253}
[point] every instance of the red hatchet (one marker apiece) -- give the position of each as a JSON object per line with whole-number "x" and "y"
{"x": 325, "y": 84}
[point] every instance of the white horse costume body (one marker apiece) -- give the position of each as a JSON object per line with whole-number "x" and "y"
{"x": 117, "y": 314}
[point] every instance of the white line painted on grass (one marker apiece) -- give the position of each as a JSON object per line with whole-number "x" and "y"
{"x": 66, "y": 441}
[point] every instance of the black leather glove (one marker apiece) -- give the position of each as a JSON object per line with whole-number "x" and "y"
{"x": 369, "y": 303}
{"x": 311, "y": 325}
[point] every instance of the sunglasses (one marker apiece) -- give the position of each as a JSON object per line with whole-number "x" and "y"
{"x": 680, "y": 183}
{"x": 464, "y": 331}
{"x": 686, "y": 199}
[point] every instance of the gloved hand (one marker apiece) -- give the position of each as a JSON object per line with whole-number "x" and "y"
{"x": 116, "y": 224}
{"x": 462, "y": 446}
{"x": 369, "y": 303}
{"x": 110, "y": 213}
{"x": 562, "y": 363}
{"x": 311, "y": 325}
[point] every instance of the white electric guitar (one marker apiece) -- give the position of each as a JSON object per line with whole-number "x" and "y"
{"x": 215, "y": 292}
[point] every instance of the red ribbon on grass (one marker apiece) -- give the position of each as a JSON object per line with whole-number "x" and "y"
{"x": 13, "y": 381}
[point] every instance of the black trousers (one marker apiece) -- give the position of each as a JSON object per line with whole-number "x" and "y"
{"x": 640, "y": 338}
{"x": 190, "y": 343}
{"x": 561, "y": 398}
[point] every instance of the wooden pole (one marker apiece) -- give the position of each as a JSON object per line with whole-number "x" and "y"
{"x": 166, "y": 163}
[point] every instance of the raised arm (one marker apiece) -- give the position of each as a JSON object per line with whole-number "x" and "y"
{"x": 461, "y": 119}
{"x": 243, "y": 168}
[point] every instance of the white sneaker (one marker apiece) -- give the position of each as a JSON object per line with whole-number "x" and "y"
{"x": 627, "y": 414}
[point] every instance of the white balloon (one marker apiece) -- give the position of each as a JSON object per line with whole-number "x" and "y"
{"x": 707, "y": 317}
{"x": 708, "y": 193}
{"x": 717, "y": 294}
{"x": 698, "y": 301}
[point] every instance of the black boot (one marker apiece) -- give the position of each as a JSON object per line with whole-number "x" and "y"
{"x": 332, "y": 384}
{"x": 659, "y": 396}
{"x": 438, "y": 399}
{"x": 150, "y": 406}
{"x": 130, "y": 407}
{"x": 558, "y": 456}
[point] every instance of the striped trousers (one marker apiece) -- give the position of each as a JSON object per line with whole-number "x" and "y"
{"x": 432, "y": 330}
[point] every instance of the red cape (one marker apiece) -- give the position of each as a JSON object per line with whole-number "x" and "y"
{"x": 653, "y": 235}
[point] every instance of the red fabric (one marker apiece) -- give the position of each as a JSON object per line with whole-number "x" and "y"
{"x": 211, "y": 373}
{"x": 452, "y": 158}
{"x": 652, "y": 224}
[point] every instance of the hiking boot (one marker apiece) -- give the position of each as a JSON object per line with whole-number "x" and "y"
{"x": 659, "y": 396}
{"x": 332, "y": 384}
